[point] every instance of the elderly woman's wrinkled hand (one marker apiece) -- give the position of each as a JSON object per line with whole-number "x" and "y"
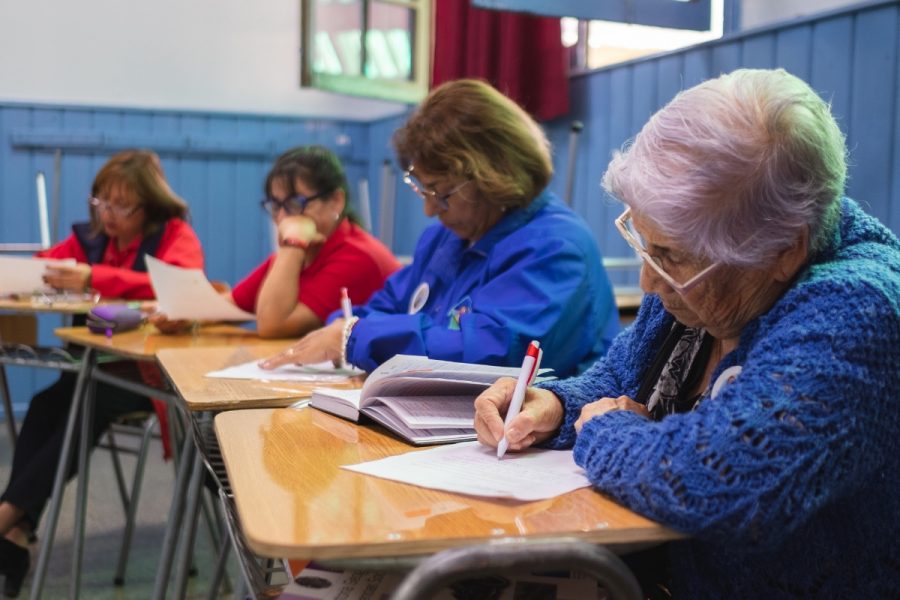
{"x": 540, "y": 417}
{"x": 320, "y": 345}
{"x": 605, "y": 405}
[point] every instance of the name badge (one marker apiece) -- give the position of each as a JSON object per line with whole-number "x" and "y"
{"x": 727, "y": 376}
{"x": 419, "y": 298}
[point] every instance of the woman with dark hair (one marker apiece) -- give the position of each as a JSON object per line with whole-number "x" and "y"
{"x": 134, "y": 213}
{"x": 508, "y": 263}
{"x": 321, "y": 249}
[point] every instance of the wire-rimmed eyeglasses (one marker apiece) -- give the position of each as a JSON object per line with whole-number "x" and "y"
{"x": 442, "y": 200}
{"x": 626, "y": 227}
{"x": 295, "y": 205}
{"x": 117, "y": 210}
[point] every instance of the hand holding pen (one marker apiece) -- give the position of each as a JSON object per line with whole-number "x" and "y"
{"x": 530, "y": 365}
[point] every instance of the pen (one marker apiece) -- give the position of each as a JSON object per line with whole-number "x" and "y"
{"x": 530, "y": 365}
{"x": 346, "y": 307}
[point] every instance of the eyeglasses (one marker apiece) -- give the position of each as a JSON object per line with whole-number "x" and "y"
{"x": 626, "y": 227}
{"x": 442, "y": 200}
{"x": 295, "y": 205}
{"x": 117, "y": 210}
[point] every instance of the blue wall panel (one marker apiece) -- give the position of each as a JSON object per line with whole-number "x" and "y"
{"x": 850, "y": 57}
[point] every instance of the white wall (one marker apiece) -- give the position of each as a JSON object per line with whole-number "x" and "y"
{"x": 755, "y": 13}
{"x": 209, "y": 55}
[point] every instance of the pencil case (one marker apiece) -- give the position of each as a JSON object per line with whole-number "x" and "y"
{"x": 113, "y": 318}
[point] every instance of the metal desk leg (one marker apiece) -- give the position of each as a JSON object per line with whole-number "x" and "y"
{"x": 189, "y": 531}
{"x": 173, "y": 527}
{"x": 84, "y": 465}
{"x": 62, "y": 469}
{"x": 7, "y": 406}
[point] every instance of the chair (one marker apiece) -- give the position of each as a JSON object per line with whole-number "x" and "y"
{"x": 448, "y": 566}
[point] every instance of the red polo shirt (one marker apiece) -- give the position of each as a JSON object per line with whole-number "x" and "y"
{"x": 349, "y": 258}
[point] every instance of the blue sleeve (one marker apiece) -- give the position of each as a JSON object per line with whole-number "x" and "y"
{"x": 616, "y": 374}
{"x": 808, "y": 419}
{"x": 539, "y": 287}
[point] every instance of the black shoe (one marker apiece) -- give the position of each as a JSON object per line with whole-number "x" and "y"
{"x": 14, "y": 563}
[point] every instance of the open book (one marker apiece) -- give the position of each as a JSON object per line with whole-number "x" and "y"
{"x": 422, "y": 400}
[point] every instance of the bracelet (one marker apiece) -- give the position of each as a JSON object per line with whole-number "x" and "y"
{"x": 295, "y": 243}
{"x": 345, "y": 337}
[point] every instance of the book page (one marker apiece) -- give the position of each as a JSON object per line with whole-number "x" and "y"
{"x": 188, "y": 294}
{"x": 323, "y": 372}
{"x": 426, "y": 368}
{"x": 24, "y": 275}
{"x": 435, "y": 412}
{"x": 471, "y": 468}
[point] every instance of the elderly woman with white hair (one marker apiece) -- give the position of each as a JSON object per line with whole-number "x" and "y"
{"x": 754, "y": 404}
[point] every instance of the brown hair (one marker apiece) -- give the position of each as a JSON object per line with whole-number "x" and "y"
{"x": 468, "y": 130}
{"x": 141, "y": 174}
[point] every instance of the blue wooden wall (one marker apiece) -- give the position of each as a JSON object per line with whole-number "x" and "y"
{"x": 849, "y": 57}
{"x": 217, "y": 162}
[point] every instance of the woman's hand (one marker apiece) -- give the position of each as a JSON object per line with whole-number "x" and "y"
{"x": 167, "y": 326}
{"x": 605, "y": 405}
{"x": 298, "y": 227}
{"x": 540, "y": 417}
{"x": 317, "y": 346}
{"x": 71, "y": 278}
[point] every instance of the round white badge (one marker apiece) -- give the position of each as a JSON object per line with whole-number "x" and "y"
{"x": 727, "y": 376}
{"x": 419, "y": 298}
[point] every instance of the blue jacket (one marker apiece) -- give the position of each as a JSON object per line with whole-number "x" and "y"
{"x": 786, "y": 481}
{"x": 537, "y": 274}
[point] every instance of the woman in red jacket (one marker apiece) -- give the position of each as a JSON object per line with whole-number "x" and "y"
{"x": 134, "y": 213}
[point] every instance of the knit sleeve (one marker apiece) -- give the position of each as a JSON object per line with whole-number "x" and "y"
{"x": 616, "y": 374}
{"x": 812, "y": 415}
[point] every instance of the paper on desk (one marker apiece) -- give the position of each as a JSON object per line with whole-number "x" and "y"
{"x": 471, "y": 468}
{"x": 188, "y": 294}
{"x": 323, "y": 372}
{"x": 24, "y": 275}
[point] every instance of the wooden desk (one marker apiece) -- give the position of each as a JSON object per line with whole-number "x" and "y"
{"x": 186, "y": 369}
{"x": 29, "y": 306}
{"x": 139, "y": 344}
{"x": 294, "y": 501}
{"x": 145, "y": 342}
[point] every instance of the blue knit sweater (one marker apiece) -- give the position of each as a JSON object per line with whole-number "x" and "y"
{"x": 787, "y": 482}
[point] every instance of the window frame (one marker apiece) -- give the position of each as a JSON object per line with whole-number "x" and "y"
{"x": 411, "y": 91}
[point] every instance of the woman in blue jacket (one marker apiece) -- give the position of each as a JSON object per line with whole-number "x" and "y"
{"x": 508, "y": 263}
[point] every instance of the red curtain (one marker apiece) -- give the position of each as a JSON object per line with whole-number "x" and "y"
{"x": 521, "y": 55}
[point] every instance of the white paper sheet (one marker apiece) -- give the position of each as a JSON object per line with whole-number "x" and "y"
{"x": 471, "y": 468}
{"x": 24, "y": 275}
{"x": 187, "y": 294}
{"x": 323, "y": 372}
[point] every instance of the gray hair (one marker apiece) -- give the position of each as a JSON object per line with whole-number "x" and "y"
{"x": 736, "y": 167}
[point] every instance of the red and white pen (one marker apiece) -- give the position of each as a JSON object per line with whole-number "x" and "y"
{"x": 530, "y": 365}
{"x": 346, "y": 307}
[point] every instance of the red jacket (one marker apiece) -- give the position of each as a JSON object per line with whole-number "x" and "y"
{"x": 113, "y": 276}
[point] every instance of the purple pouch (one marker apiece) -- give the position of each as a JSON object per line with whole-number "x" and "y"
{"x": 113, "y": 318}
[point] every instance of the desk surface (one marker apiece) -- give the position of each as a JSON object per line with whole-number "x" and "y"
{"x": 32, "y": 306}
{"x": 294, "y": 501}
{"x": 146, "y": 341}
{"x": 186, "y": 368}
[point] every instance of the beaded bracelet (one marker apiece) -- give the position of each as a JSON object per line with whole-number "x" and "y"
{"x": 348, "y": 326}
